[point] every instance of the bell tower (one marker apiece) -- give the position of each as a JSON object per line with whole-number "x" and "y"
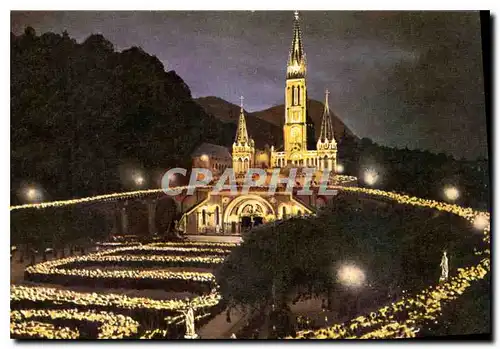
{"x": 327, "y": 146}
{"x": 243, "y": 146}
{"x": 295, "y": 128}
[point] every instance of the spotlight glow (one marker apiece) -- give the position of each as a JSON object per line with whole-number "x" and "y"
{"x": 204, "y": 157}
{"x": 451, "y": 193}
{"x": 340, "y": 168}
{"x": 480, "y": 222}
{"x": 351, "y": 275}
{"x": 371, "y": 177}
{"x": 139, "y": 180}
{"x": 32, "y": 194}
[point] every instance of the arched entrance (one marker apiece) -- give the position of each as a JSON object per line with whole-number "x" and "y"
{"x": 246, "y": 212}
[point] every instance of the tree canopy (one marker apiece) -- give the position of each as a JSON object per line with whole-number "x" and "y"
{"x": 394, "y": 244}
{"x": 79, "y": 111}
{"x": 419, "y": 173}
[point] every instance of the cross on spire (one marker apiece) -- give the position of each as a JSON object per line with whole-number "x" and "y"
{"x": 241, "y": 133}
{"x": 296, "y": 60}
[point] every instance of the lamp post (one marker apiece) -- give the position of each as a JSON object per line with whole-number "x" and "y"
{"x": 151, "y": 206}
{"x": 139, "y": 180}
{"x": 451, "y": 193}
{"x": 124, "y": 218}
{"x": 480, "y": 222}
{"x": 340, "y": 168}
{"x": 32, "y": 194}
{"x": 351, "y": 276}
{"x": 370, "y": 177}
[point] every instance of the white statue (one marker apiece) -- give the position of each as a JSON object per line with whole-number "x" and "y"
{"x": 190, "y": 332}
{"x": 444, "y": 267}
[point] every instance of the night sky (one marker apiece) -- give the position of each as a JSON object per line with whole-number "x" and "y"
{"x": 410, "y": 79}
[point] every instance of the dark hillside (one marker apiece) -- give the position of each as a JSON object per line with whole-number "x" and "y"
{"x": 80, "y": 111}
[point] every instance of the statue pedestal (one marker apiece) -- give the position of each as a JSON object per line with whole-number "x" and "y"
{"x": 193, "y": 336}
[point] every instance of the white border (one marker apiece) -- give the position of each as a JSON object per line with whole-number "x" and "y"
{"x": 253, "y": 5}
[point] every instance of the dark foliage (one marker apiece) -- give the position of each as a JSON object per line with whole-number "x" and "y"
{"x": 55, "y": 227}
{"x": 419, "y": 173}
{"x": 398, "y": 247}
{"x": 80, "y": 111}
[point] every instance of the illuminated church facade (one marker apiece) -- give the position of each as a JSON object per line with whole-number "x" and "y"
{"x": 297, "y": 127}
{"x": 298, "y": 130}
{"x": 228, "y": 213}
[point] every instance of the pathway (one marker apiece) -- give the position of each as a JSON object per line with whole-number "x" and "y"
{"x": 214, "y": 238}
{"x": 219, "y": 328}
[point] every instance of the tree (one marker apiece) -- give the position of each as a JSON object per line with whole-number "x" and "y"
{"x": 79, "y": 111}
{"x": 29, "y": 32}
{"x": 393, "y": 244}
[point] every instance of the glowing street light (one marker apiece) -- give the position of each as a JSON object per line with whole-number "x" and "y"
{"x": 351, "y": 276}
{"x": 340, "y": 168}
{"x": 204, "y": 158}
{"x": 451, "y": 193}
{"x": 370, "y": 177}
{"x": 480, "y": 222}
{"x": 139, "y": 180}
{"x": 32, "y": 194}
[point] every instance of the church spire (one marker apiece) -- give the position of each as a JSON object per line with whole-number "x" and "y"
{"x": 241, "y": 133}
{"x": 297, "y": 58}
{"x": 243, "y": 146}
{"x": 326, "y": 134}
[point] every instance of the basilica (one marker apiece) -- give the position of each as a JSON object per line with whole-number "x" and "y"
{"x": 298, "y": 130}
{"x": 227, "y": 213}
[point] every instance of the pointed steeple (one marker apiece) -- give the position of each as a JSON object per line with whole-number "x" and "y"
{"x": 241, "y": 133}
{"x": 297, "y": 58}
{"x": 326, "y": 134}
{"x": 243, "y": 146}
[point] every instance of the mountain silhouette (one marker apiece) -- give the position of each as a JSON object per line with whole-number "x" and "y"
{"x": 266, "y": 126}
